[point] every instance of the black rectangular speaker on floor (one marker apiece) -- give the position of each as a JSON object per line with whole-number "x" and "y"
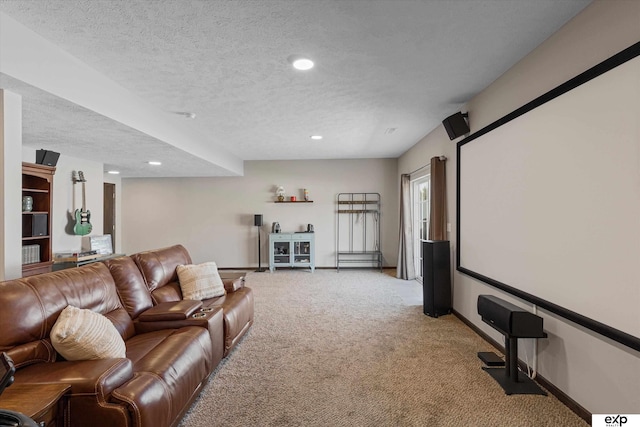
{"x": 456, "y": 125}
{"x": 436, "y": 277}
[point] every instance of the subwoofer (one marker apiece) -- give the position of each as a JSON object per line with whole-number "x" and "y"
{"x": 35, "y": 225}
{"x": 436, "y": 277}
{"x": 39, "y": 225}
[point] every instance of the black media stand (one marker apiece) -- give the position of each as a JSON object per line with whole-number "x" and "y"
{"x": 513, "y": 322}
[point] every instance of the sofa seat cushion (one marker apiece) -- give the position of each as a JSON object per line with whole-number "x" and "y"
{"x": 237, "y": 308}
{"x": 180, "y": 358}
{"x": 81, "y": 334}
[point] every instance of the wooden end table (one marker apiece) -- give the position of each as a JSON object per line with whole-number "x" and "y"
{"x": 46, "y": 404}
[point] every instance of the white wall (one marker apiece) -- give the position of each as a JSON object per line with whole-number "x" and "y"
{"x": 10, "y": 185}
{"x": 213, "y": 217}
{"x": 598, "y": 374}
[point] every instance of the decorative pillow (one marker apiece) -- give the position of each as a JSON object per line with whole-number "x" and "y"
{"x": 200, "y": 281}
{"x": 81, "y": 334}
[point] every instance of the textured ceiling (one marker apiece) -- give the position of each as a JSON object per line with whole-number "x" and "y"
{"x": 380, "y": 64}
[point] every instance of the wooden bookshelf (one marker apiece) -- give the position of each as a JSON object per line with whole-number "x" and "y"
{"x": 37, "y": 182}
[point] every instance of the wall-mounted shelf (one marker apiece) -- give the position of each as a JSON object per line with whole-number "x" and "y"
{"x": 297, "y": 201}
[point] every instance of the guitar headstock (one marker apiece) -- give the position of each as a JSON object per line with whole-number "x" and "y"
{"x": 79, "y": 177}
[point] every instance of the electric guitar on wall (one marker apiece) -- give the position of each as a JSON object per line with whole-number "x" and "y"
{"x": 83, "y": 225}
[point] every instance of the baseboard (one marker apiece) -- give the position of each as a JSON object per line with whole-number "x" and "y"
{"x": 559, "y": 394}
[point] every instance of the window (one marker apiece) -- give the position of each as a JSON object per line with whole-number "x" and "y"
{"x": 421, "y": 207}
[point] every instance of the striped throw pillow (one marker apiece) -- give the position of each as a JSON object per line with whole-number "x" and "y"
{"x": 200, "y": 281}
{"x": 81, "y": 334}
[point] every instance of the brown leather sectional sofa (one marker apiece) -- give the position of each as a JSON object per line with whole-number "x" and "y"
{"x": 172, "y": 345}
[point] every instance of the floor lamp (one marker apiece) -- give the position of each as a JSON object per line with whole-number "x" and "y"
{"x": 257, "y": 221}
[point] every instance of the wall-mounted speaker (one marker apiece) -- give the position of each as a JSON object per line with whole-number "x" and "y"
{"x": 46, "y": 157}
{"x": 257, "y": 220}
{"x": 456, "y": 125}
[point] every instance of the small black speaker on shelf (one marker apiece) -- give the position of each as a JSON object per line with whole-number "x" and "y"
{"x": 35, "y": 225}
{"x": 456, "y": 125}
{"x": 46, "y": 157}
{"x": 257, "y": 220}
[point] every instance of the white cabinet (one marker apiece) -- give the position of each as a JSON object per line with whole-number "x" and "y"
{"x": 291, "y": 250}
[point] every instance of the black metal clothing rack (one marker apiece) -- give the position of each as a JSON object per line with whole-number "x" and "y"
{"x": 358, "y": 230}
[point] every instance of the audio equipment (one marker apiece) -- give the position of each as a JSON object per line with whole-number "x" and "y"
{"x": 456, "y": 125}
{"x": 46, "y": 157}
{"x": 35, "y": 225}
{"x": 513, "y": 322}
{"x": 257, "y": 221}
{"x": 509, "y": 319}
{"x": 436, "y": 277}
{"x": 39, "y": 224}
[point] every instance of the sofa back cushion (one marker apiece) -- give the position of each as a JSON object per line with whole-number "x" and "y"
{"x": 132, "y": 289}
{"x": 158, "y": 268}
{"x": 31, "y": 306}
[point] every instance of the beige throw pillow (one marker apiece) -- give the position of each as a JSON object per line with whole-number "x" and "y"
{"x": 81, "y": 334}
{"x": 200, "y": 281}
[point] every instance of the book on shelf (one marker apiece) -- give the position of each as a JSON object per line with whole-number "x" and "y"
{"x": 76, "y": 256}
{"x": 30, "y": 254}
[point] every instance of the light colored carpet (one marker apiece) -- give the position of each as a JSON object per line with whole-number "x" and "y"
{"x": 350, "y": 349}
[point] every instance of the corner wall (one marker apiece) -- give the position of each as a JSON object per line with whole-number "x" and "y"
{"x": 600, "y": 375}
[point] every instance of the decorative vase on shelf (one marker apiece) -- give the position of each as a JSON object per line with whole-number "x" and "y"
{"x": 27, "y": 204}
{"x": 281, "y": 198}
{"x": 280, "y": 193}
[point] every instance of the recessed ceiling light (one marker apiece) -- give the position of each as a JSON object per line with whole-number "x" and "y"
{"x": 113, "y": 172}
{"x": 300, "y": 62}
{"x": 186, "y": 114}
{"x": 316, "y": 137}
{"x": 155, "y": 163}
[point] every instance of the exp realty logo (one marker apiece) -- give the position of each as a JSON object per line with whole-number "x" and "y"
{"x": 619, "y": 420}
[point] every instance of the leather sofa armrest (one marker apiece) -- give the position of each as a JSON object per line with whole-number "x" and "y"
{"x": 232, "y": 284}
{"x": 175, "y": 310}
{"x": 88, "y": 377}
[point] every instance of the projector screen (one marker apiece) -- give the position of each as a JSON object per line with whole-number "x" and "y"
{"x": 549, "y": 200}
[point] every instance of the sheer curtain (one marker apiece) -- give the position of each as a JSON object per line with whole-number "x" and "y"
{"x": 438, "y": 211}
{"x": 405, "y": 269}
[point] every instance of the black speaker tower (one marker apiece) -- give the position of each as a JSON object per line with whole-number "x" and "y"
{"x": 436, "y": 277}
{"x": 257, "y": 221}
